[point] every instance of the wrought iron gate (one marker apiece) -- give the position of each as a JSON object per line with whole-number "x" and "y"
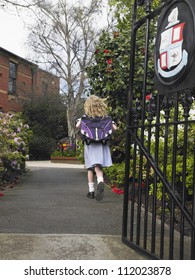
{"x": 159, "y": 199}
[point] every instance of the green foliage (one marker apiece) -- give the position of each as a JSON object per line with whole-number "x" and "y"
{"x": 66, "y": 153}
{"x": 109, "y": 74}
{"x": 41, "y": 147}
{"x": 181, "y": 152}
{"x": 116, "y": 174}
{"x": 108, "y": 78}
{"x": 46, "y": 116}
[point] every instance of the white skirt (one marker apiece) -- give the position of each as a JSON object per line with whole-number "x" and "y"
{"x": 96, "y": 153}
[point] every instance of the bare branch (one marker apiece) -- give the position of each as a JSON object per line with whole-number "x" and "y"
{"x": 20, "y": 3}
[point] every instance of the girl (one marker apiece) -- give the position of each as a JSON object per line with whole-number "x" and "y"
{"x": 96, "y": 155}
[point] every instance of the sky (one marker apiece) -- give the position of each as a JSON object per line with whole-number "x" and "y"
{"x": 12, "y": 34}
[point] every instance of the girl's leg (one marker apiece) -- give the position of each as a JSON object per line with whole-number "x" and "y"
{"x": 99, "y": 174}
{"x": 90, "y": 176}
{"x": 100, "y": 181}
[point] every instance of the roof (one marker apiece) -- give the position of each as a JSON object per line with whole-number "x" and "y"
{"x": 6, "y": 52}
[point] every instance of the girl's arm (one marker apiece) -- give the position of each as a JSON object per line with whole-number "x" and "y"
{"x": 78, "y": 123}
{"x": 114, "y": 126}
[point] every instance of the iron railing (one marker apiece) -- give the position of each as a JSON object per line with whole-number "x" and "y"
{"x": 159, "y": 199}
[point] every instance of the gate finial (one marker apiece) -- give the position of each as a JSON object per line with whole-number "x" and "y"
{"x": 187, "y": 101}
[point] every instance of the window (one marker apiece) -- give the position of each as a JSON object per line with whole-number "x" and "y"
{"x": 44, "y": 87}
{"x": 12, "y": 78}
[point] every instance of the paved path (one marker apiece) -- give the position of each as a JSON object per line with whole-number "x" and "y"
{"x": 48, "y": 216}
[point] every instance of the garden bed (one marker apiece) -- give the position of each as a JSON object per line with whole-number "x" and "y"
{"x": 57, "y": 159}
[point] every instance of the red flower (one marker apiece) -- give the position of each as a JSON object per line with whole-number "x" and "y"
{"x": 109, "y": 61}
{"x": 106, "y": 51}
{"x": 96, "y": 51}
{"x": 148, "y": 97}
{"x": 117, "y": 190}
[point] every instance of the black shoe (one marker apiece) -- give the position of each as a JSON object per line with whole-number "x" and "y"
{"x": 90, "y": 195}
{"x": 100, "y": 191}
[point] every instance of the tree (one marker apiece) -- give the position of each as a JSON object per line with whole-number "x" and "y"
{"x": 63, "y": 38}
{"x": 46, "y": 116}
{"x": 109, "y": 74}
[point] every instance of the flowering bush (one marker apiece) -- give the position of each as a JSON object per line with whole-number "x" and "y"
{"x": 14, "y": 139}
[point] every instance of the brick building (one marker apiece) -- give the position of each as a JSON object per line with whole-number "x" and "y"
{"x": 20, "y": 80}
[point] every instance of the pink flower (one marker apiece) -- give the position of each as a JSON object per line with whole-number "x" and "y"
{"x": 17, "y": 140}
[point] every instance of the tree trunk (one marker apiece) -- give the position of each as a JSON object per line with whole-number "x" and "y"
{"x": 71, "y": 125}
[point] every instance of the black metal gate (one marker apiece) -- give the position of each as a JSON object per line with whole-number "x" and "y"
{"x": 159, "y": 199}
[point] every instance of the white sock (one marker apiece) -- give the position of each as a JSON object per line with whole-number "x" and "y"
{"x": 100, "y": 179}
{"x": 91, "y": 187}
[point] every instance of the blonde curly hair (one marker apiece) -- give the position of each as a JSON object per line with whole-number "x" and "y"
{"x": 95, "y": 107}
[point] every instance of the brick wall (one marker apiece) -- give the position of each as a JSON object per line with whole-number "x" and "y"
{"x": 44, "y": 78}
{"x": 30, "y": 81}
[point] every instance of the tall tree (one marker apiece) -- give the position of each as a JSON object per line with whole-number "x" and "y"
{"x": 63, "y": 37}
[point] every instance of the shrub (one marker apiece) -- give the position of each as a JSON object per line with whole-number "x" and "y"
{"x": 14, "y": 139}
{"x": 66, "y": 153}
{"x": 46, "y": 116}
{"x": 116, "y": 174}
{"x": 41, "y": 147}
